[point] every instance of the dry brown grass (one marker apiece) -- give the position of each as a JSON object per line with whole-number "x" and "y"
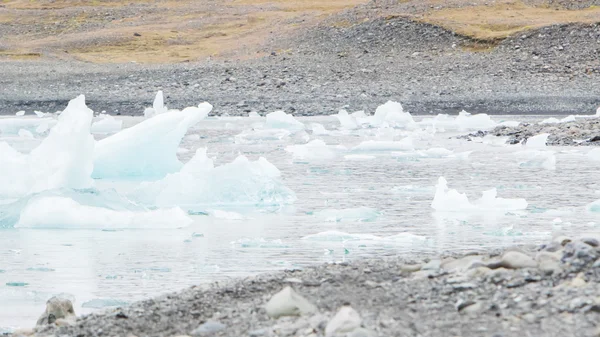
{"x": 505, "y": 18}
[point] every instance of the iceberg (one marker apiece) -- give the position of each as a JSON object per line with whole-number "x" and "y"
{"x": 347, "y": 122}
{"x": 349, "y": 214}
{"x": 538, "y": 141}
{"x": 281, "y": 120}
{"x": 405, "y": 144}
{"x": 158, "y": 106}
{"x": 200, "y": 184}
{"x": 314, "y": 150}
{"x": 254, "y": 114}
{"x": 259, "y": 135}
{"x": 63, "y": 159}
{"x": 106, "y": 124}
{"x": 25, "y": 134}
{"x": 62, "y": 212}
{"x": 463, "y": 122}
{"x": 148, "y": 149}
{"x": 450, "y": 200}
{"x": 392, "y": 114}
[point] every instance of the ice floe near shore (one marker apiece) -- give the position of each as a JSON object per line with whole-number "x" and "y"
{"x": 450, "y": 200}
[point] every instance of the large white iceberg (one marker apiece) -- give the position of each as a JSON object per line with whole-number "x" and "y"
{"x": 281, "y": 120}
{"x": 200, "y": 185}
{"x": 148, "y": 149}
{"x": 61, "y": 212}
{"x": 450, "y": 200}
{"x": 106, "y": 124}
{"x": 63, "y": 159}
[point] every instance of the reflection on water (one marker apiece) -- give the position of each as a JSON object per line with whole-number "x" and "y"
{"x": 100, "y": 268}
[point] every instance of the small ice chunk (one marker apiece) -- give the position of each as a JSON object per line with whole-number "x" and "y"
{"x": 39, "y": 113}
{"x": 281, "y": 120}
{"x": 345, "y": 320}
{"x": 405, "y": 144}
{"x": 254, "y": 114}
{"x": 437, "y": 152}
{"x": 510, "y": 124}
{"x": 25, "y": 134}
{"x": 106, "y": 124}
{"x": 319, "y": 130}
{"x": 11, "y": 126}
{"x": 538, "y": 159}
{"x": 42, "y": 128}
{"x": 158, "y": 106}
{"x": 226, "y": 215}
{"x": 538, "y": 141}
{"x": 347, "y": 122}
{"x": 20, "y": 113}
{"x": 148, "y": 149}
{"x": 287, "y": 302}
{"x": 348, "y": 214}
{"x": 61, "y": 212}
{"x": 594, "y": 207}
{"x": 553, "y": 120}
{"x": 256, "y": 136}
{"x": 314, "y": 150}
{"x": 450, "y": 200}
{"x": 392, "y": 114}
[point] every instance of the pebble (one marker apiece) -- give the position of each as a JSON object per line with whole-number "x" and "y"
{"x": 287, "y": 302}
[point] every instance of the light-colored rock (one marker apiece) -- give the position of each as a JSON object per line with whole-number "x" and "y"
{"x": 432, "y": 265}
{"x": 208, "y": 328}
{"x": 346, "y": 320}
{"x": 516, "y": 260}
{"x": 460, "y": 265}
{"x": 65, "y": 321}
{"x": 57, "y": 308}
{"x": 289, "y": 303}
{"x": 478, "y": 272}
{"x": 411, "y": 268}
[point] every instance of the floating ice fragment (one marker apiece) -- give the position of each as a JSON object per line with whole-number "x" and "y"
{"x": 20, "y": 113}
{"x": 463, "y": 122}
{"x": 348, "y": 214}
{"x": 17, "y": 284}
{"x": 553, "y": 120}
{"x": 450, "y": 200}
{"x": 148, "y": 149}
{"x": 42, "y": 269}
{"x": 347, "y": 122}
{"x": 392, "y": 114}
{"x": 319, "y": 130}
{"x": 254, "y": 114}
{"x": 339, "y": 236}
{"x": 199, "y": 184}
{"x": 158, "y": 107}
{"x": 25, "y": 134}
{"x": 314, "y": 150}
{"x": 255, "y": 136}
{"x": 225, "y": 215}
{"x": 11, "y": 126}
{"x": 63, "y": 159}
{"x": 106, "y": 124}
{"x": 510, "y": 124}
{"x": 538, "y": 159}
{"x": 594, "y": 207}
{"x": 281, "y": 120}
{"x": 538, "y": 141}
{"x": 405, "y": 144}
{"x": 61, "y": 212}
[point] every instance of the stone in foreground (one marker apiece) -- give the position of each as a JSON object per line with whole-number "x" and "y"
{"x": 57, "y": 309}
{"x": 289, "y": 303}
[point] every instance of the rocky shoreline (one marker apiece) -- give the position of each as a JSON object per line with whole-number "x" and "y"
{"x": 570, "y": 132}
{"x": 547, "y": 290}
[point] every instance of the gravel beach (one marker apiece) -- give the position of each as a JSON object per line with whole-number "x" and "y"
{"x": 547, "y": 290}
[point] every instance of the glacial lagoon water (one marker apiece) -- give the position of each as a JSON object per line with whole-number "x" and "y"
{"x": 350, "y": 204}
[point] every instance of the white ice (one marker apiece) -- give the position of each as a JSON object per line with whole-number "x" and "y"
{"x": 158, "y": 106}
{"x": 450, "y": 200}
{"x": 200, "y": 184}
{"x": 594, "y": 154}
{"x": 392, "y": 114}
{"x": 405, "y": 144}
{"x": 337, "y": 236}
{"x": 347, "y": 122}
{"x": 106, "y": 124}
{"x": 281, "y": 120}
{"x": 219, "y": 214}
{"x": 319, "y": 130}
{"x": 20, "y": 113}
{"x": 313, "y": 150}
{"x": 63, "y": 159}
{"x": 537, "y": 159}
{"x": 148, "y": 149}
{"x": 538, "y": 141}
{"x": 259, "y": 135}
{"x": 253, "y": 114}
{"x": 61, "y": 212}
{"x": 463, "y": 122}
{"x": 348, "y": 214}
{"x": 25, "y": 134}
{"x": 553, "y": 120}
{"x": 594, "y": 207}
{"x": 12, "y": 125}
